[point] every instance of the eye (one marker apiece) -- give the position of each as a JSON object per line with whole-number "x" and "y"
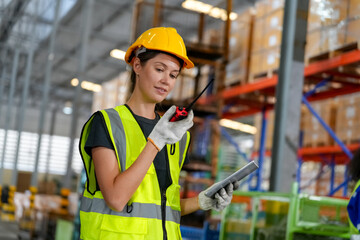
{"x": 173, "y": 76}
{"x": 159, "y": 69}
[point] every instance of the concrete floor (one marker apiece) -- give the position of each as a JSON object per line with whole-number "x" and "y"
{"x": 9, "y": 230}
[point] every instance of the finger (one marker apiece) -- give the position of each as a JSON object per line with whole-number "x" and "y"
{"x": 222, "y": 194}
{"x": 190, "y": 116}
{"x": 236, "y": 185}
{"x": 217, "y": 197}
{"x": 230, "y": 189}
{"x": 188, "y": 119}
{"x": 170, "y": 112}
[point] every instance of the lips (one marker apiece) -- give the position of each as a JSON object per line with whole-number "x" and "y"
{"x": 161, "y": 90}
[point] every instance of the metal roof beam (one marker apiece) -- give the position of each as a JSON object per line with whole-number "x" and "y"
{"x": 15, "y": 10}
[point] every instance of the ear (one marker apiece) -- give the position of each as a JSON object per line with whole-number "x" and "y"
{"x": 137, "y": 65}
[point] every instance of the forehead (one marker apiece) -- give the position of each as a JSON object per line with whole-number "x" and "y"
{"x": 167, "y": 60}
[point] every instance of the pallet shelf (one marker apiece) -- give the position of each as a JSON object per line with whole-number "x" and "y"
{"x": 346, "y": 83}
{"x": 339, "y": 81}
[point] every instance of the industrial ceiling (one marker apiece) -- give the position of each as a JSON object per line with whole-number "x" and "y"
{"x": 64, "y": 50}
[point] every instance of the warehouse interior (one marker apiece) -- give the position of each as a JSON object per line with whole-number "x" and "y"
{"x": 286, "y": 94}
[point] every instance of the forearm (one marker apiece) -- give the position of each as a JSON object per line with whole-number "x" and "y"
{"x": 128, "y": 181}
{"x": 118, "y": 187}
{"x": 189, "y": 205}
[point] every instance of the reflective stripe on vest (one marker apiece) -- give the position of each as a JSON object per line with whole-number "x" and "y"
{"x": 142, "y": 210}
{"x": 182, "y": 149}
{"x": 118, "y": 131}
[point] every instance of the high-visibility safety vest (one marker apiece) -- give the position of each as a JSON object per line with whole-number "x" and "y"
{"x": 148, "y": 213}
{"x": 354, "y": 210}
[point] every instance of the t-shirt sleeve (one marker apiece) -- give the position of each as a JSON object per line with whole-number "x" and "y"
{"x": 186, "y": 160}
{"x": 98, "y": 136}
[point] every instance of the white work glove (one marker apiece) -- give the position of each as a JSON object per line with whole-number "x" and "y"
{"x": 166, "y": 132}
{"x": 222, "y": 198}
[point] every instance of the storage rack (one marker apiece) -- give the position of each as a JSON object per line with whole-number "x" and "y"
{"x": 331, "y": 65}
{"x": 287, "y": 214}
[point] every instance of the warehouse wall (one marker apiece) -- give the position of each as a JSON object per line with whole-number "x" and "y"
{"x": 32, "y": 116}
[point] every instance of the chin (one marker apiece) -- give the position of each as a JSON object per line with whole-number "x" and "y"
{"x": 159, "y": 99}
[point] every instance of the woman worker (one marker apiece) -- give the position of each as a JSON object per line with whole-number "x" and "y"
{"x": 353, "y": 207}
{"x": 133, "y": 156}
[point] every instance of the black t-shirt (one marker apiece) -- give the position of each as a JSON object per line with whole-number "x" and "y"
{"x": 99, "y": 137}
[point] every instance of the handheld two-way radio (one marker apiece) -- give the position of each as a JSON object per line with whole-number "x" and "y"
{"x": 182, "y": 112}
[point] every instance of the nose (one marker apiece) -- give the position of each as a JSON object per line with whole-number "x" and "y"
{"x": 165, "y": 79}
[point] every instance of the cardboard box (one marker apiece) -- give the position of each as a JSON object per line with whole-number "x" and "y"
{"x": 256, "y": 64}
{"x": 271, "y": 59}
{"x": 352, "y": 32}
{"x": 258, "y": 35}
{"x": 235, "y": 72}
{"x": 313, "y": 42}
{"x": 354, "y": 9}
{"x": 332, "y": 38}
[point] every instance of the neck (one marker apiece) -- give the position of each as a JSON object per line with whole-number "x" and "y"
{"x": 146, "y": 110}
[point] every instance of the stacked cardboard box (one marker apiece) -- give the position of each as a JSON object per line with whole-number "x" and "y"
{"x": 348, "y": 118}
{"x": 332, "y": 24}
{"x": 113, "y": 93}
{"x": 309, "y": 172}
{"x": 184, "y": 85}
{"x": 267, "y": 33}
{"x": 314, "y": 132}
{"x": 239, "y": 49}
{"x": 327, "y": 26}
{"x": 323, "y": 183}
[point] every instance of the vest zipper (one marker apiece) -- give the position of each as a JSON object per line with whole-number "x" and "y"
{"x": 163, "y": 213}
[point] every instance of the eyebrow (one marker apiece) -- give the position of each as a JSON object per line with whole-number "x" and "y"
{"x": 166, "y": 66}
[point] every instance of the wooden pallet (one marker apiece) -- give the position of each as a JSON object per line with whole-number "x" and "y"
{"x": 333, "y": 53}
{"x": 268, "y": 74}
{"x": 350, "y": 141}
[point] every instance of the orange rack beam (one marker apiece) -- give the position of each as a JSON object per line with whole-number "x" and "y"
{"x": 268, "y": 83}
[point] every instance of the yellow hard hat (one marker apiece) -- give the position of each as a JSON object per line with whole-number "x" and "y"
{"x": 164, "y": 39}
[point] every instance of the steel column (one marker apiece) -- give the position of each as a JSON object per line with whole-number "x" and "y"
{"x": 46, "y": 89}
{"x": 25, "y": 93}
{"x": 51, "y": 134}
{"x": 86, "y": 29}
{"x": 3, "y": 77}
{"x": 9, "y": 109}
{"x": 21, "y": 119}
{"x": 288, "y": 96}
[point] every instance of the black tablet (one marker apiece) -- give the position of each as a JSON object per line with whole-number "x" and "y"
{"x": 236, "y": 176}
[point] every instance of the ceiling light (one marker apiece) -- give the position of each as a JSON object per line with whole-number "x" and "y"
{"x": 117, "y": 53}
{"x": 91, "y": 86}
{"x": 238, "y": 126}
{"x": 86, "y": 85}
{"x": 208, "y": 9}
{"x": 74, "y": 82}
{"x": 67, "y": 108}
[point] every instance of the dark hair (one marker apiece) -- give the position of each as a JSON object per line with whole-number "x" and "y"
{"x": 146, "y": 56}
{"x": 354, "y": 166}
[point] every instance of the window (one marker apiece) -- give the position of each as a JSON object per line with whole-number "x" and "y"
{"x": 53, "y": 152}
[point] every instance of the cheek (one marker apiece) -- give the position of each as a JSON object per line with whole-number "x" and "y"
{"x": 172, "y": 84}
